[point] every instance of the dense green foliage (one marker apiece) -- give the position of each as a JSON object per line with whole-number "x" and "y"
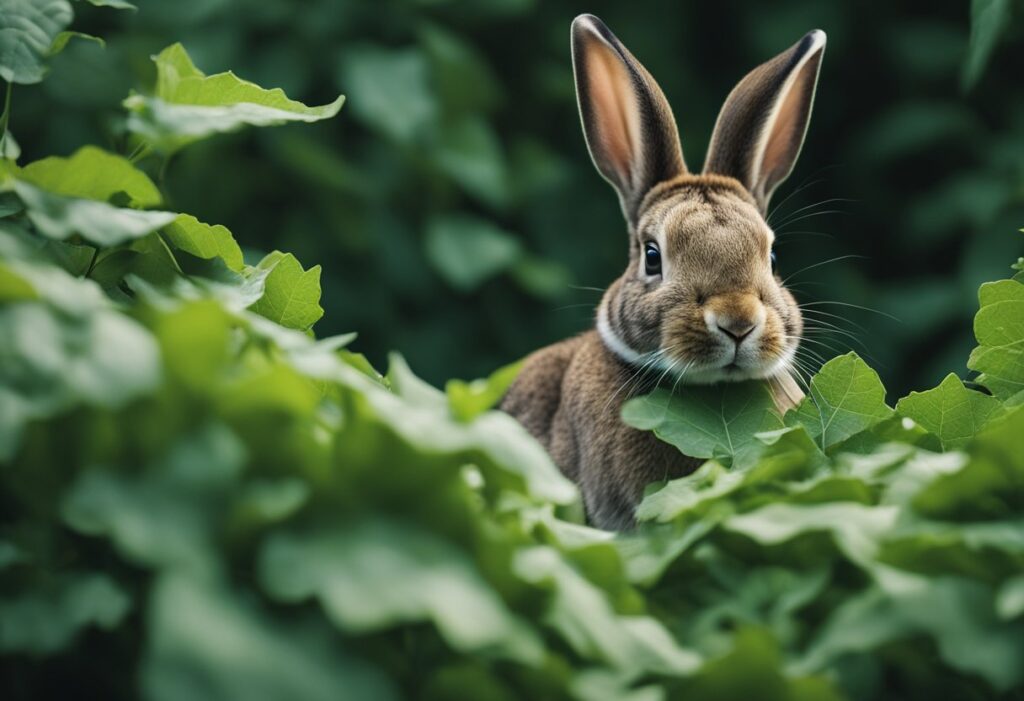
{"x": 200, "y": 499}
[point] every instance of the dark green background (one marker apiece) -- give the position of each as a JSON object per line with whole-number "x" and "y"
{"x": 452, "y": 203}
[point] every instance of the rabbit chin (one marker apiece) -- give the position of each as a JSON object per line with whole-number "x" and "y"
{"x": 730, "y": 369}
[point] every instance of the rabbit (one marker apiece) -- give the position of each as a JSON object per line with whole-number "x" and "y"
{"x": 699, "y": 301}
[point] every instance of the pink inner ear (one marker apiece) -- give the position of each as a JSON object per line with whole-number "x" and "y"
{"x": 787, "y": 132}
{"x": 614, "y": 109}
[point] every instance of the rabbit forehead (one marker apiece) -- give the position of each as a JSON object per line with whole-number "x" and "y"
{"x": 709, "y": 233}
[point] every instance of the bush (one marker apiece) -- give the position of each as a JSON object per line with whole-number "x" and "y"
{"x": 201, "y": 500}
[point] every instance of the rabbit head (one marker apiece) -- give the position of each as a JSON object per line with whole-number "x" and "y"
{"x": 700, "y": 300}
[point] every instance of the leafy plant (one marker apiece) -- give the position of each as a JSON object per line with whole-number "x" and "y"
{"x": 200, "y": 499}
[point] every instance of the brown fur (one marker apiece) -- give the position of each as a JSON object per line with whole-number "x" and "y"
{"x": 711, "y": 310}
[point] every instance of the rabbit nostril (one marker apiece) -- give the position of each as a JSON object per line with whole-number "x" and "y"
{"x": 736, "y": 330}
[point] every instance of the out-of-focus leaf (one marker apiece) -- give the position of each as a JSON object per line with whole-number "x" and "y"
{"x": 470, "y": 399}
{"x": 207, "y": 644}
{"x": 28, "y": 29}
{"x": 468, "y": 251}
{"x": 116, "y": 4}
{"x": 189, "y": 105}
{"x": 47, "y": 620}
{"x": 390, "y": 90}
{"x": 989, "y": 19}
{"x": 708, "y": 421}
{"x": 845, "y": 398}
{"x": 950, "y": 411}
{"x": 291, "y": 295}
{"x": 63, "y": 38}
{"x": 376, "y": 576}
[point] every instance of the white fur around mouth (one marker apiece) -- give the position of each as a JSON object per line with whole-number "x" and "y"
{"x": 705, "y": 374}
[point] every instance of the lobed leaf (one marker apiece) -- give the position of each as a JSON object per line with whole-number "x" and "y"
{"x": 951, "y": 411}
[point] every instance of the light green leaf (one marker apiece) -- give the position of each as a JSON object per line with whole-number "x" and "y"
{"x": 470, "y": 399}
{"x": 63, "y": 38}
{"x": 468, "y": 251}
{"x": 28, "y": 28}
{"x": 950, "y": 411}
{"x": 999, "y": 329}
{"x": 989, "y": 20}
{"x": 846, "y": 397}
{"x": 204, "y": 240}
{"x": 377, "y": 576}
{"x": 116, "y": 4}
{"x": 59, "y": 217}
{"x": 189, "y": 105}
{"x": 291, "y": 295}
{"x": 1010, "y": 599}
{"x": 93, "y": 174}
{"x": 708, "y": 421}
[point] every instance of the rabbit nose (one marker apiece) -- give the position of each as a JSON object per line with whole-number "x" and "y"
{"x": 736, "y": 329}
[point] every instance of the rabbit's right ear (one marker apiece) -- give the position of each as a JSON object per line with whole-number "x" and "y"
{"x": 630, "y": 131}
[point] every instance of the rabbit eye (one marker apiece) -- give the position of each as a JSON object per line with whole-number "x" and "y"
{"x": 772, "y": 256}
{"x": 652, "y": 259}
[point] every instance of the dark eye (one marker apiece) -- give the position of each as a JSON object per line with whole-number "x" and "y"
{"x": 772, "y": 255}
{"x": 652, "y": 259}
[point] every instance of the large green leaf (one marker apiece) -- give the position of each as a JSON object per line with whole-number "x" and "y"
{"x": 845, "y": 398}
{"x": 999, "y": 329}
{"x": 708, "y": 421}
{"x": 950, "y": 411}
{"x": 291, "y": 295}
{"x": 189, "y": 105}
{"x": 28, "y": 28}
{"x": 94, "y": 174}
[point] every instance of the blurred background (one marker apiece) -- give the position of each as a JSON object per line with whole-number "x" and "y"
{"x": 452, "y": 203}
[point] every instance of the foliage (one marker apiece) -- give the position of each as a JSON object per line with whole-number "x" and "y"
{"x": 203, "y": 500}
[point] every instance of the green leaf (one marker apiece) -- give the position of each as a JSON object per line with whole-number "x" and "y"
{"x": 48, "y": 618}
{"x": 94, "y": 174}
{"x": 116, "y": 4}
{"x": 999, "y": 329}
{"x": 207, "y": 643}
{"x": 63, "y": 38}
{"x": 468, "y": 251}
{"x": 846, "y": 397}
{"x": 376, "y": 576}
{"x": 28, "y": 28}
{"x": 708, "y": 421}
{"x": 470, "y": 399}
{"x": 950, "y": 411}
{"x": 14, "y": 287}
{"x": 59, "y": 217}
{"x": 392, "y": 90}
{"x": 291, "y": 295}
{"x": 989, "y": 20}
{"x": 205, "y": 241}
{"x": 189, "y": 105}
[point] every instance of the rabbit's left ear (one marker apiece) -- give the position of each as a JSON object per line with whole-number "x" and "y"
{"x": 762, "y": 124}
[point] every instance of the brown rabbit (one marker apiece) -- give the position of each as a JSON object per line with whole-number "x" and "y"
{"x": 699, "y": 302}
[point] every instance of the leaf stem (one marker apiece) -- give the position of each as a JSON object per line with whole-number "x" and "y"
{"x": 6, "y": 117}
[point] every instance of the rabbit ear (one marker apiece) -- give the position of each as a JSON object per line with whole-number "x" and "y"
{"x": 628, "y": 124}
{"x": 762, "y": 124}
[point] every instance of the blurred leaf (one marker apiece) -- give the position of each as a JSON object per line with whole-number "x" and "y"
{"x": 63, "y": 38}
{"x": 717, "y": 421}
{"x": 28, "y": 28}
{"x": 207, "y": 644}
{"x": 989, "y": 19}
{"x": 390, "y": 90}
{"x": 470, "y": 399}
{"x": 845, "y": 398}
{"x": 950, "y": 411}
{"x": 193, "y": 236}
{"x": 376, "y": 576}
{"x": 116, "y": 4}
{"x": 291, "y": 295}
{"x": 47, "y": 619}
{"x": 469, "y": 152}
{"x": 189, "y": 105}
{"x": 468, "y": 251}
